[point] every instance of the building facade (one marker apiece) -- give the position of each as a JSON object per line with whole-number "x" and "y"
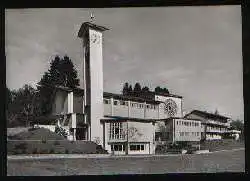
{"x": 213, "y": 126}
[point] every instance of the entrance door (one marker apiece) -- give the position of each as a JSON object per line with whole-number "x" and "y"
{"x": 81, "y": 133}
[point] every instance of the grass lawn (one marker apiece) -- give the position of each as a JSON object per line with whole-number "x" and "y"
{"x": 230, "y": 161}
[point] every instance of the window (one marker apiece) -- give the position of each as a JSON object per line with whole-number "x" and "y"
{"x": 148, "y": 106}
{"x": 122, "y": 103}
{"x": 117, "y": 147}
{"x": 186, "y": 133}
{"x": 106, "y": 101}
{"x": 181, "y": 133}
{"x": 197, "y": 134}
{"x": 116, "y": 102}
{"x": 134, "y": 104}
{"x": 116, "y": 131}
{"x": 139, "y": 147}
{"x": 177, "y": 122}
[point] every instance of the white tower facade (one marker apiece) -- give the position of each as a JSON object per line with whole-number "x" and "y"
{"x": 92, "y": 41}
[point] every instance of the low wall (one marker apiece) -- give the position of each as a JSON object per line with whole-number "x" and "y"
{"x": 14, "y": 131}
{"x": 201, "y": 151}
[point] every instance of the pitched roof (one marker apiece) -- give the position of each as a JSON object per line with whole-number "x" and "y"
{"x": 207, "y": 115}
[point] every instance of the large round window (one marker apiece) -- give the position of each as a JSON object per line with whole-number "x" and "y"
{"x": 170, "y": 107}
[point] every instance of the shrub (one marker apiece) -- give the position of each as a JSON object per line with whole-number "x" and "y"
{"x": 66, "y": 151}
{"x": 32, "y": 129}
{"x": 43, "y": 151}
{"x": 20, "y": 148}
{"x": 160, "y": 149}
{"x": 61, "y": 131}
{"x": 56, "y": 143}
{"x": 34, "y": 151}
{"x": 51, "y": 151}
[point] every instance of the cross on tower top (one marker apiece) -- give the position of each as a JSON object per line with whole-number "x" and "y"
{"x": 92, "y": 17}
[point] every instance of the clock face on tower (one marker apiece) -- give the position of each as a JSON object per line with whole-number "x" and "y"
{"x": 95, "y": 38}
{"x": 170, "y": 107}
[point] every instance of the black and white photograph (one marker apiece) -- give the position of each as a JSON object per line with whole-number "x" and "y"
{"x": 136, "y": 90}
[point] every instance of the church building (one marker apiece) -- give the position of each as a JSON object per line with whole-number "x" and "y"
{"x": 122, "y": 124}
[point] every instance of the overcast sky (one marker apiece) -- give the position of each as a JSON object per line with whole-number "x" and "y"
{"x": 193, "y": 51}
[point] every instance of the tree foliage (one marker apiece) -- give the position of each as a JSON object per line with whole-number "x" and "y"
{"x": 22, "y": 105}
{"x": 60, "y": 73}
{"x": 238, "y": 125}
{"x": 137, "y": 87}
{"x": 27, "y": 103}
{"x": 158, "y": 89}
{"x": 141, "y": 91}
{"x": 125, "y": 89}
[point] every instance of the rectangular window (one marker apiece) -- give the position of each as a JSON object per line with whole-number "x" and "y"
{"x": 176, "y": 122}
{"x": 134, "y": 104}
{"x": 116, "y": 102}
{"x": 122, "y": 103}
{"x": 148, "y": 106}
{"x": 106, "y": 101}
{"x": 126, "y": 103}
{"x": 142, "y": 147}
{"x": 116, "y": 131}
{"x": 117, "y": 147}
{"x": 139, "y": 147}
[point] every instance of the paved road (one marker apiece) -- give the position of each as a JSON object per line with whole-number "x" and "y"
{"x": 226, "y": 161}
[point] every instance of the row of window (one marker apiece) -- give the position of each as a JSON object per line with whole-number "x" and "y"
{"x": 115, "y": 131}
{"x": 189, "y": 133}
{"x": 125, "y": 103}
{"x": 121, "y": 147}
{"x": 215, "y": 128}
{"x": 187, "y": 123}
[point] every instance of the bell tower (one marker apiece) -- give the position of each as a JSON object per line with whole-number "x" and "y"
{"x": 92, "y": 40}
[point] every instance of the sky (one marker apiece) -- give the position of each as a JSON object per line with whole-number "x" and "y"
{"x": 195, "y": 52}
